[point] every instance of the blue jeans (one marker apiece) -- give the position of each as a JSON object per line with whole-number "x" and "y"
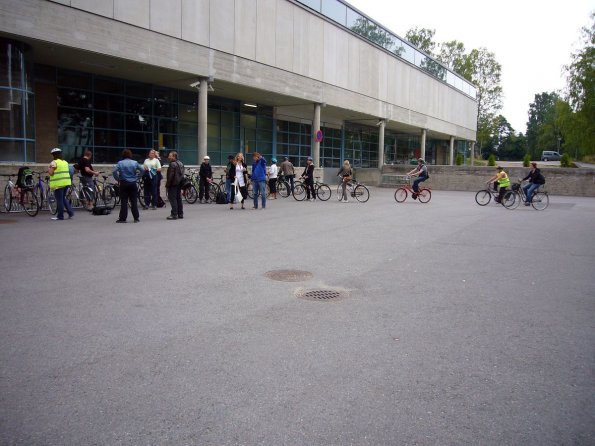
{"x": 151, "y": 191}
{"x": 62, "y": 202}
{"x": 259, "y": 187}
{"x": 529, "y": 190}
{"x": 228, "y": 191}
{"x": 416, "y": 183}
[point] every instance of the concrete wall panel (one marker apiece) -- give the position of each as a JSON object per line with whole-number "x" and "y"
{"x": 266, "y": 30}
{"x": 336, "y": 56}
{"x": 195, "y": 21}
{"x": 99, "y": 7}
{"x": 284, "y": 33}
{"x": 135, "y": 12}
{"x": 245, "y": 29}
{"x": 166, "y": 17}
{"x": 315, "y": 47}
{"x": 222, "y": 25}
{"x": 353, "y": 63}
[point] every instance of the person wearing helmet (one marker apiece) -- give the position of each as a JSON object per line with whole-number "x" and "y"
{"x": 501, "y": 179}
{"x": 421, "y": 172}
{"x": 273, "y": 172}
{"x": 205, "y": 174}
{"x": 308, "y": 177}
{"x": 60, "y": 181}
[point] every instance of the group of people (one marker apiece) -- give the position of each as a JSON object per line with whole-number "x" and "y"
{"x": 127, "y": 171}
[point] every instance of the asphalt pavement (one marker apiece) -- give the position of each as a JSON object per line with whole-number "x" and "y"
{"x": 446, "y": 323}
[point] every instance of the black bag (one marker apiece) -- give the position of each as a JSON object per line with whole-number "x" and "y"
{"x": 221, "y": 198}
{"x": 101, "y": 210}
{"x": 185, "y": 183}
{"x": 160, "y": 202}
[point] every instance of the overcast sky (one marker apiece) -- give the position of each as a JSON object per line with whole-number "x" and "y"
{"x": 531, "y": 39}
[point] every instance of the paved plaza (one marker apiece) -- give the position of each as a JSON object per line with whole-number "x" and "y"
{"x": 453, "y": 324}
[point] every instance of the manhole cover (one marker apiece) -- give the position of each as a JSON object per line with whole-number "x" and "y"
{"x": 288, "y": 275}
{"x": 322, "y": 294}
{"x": 7, "y": 222}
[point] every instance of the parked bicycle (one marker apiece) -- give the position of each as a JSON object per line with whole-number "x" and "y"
{"x": 102, "y": 193}
{"x": 423, "y": 195}
{"x": 322, "y": 191}
{"x": 17, "y": 199}
{"x": 45, "y": 197}
{"x": 484, "y": 196}
{"x": 353, "y": 189}
{"x": 283, "y": 187}
{"x": 251, "y": 188}
{"x": 539, "y": 201}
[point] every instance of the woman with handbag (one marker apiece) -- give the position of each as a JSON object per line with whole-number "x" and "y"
{"x": 345, "y": 173}
{"x": 238, "y": 174}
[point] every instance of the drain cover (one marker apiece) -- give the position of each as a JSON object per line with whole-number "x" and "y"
{"x": 288, "y": 275}
{"x": 321, "y": 294}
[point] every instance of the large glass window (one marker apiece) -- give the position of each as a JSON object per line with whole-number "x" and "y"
{"x": 335, "y": 10}
{"x": 294, "y": 140}
{"x": 17, "y": 118}
{"x": 330, "y": 147}
{"x": 361, "y": 146}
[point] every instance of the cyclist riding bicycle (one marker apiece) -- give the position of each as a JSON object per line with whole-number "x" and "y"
{"x": 501, "y": 178}
{"x": 421, "y": 172}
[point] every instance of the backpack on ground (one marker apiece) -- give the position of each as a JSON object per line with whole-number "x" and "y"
{"x": 101, "y": 210}
{"x": 160, "y": 202}
{"x": 25, "y": 178}
{"x": 221, "y": 198}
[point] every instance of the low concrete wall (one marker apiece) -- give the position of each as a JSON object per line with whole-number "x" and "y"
{"x": 559, "y": 181}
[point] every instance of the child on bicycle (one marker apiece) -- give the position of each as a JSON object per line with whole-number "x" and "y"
{"x": 421, "y": 172}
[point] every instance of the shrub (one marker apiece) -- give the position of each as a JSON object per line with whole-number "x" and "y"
{"x": 492, "y": 160}
{"x": 526, "y": 160}
{"x": 459, "y": 159}
{"x": 566, "y": 160}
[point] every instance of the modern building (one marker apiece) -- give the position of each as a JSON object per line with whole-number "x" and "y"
{"x": 220, "y": 77}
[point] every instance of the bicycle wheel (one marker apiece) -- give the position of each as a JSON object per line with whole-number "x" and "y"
{"x": 323, "y": 192}
{"x": 424, "y": 195}
{"x": 299, "y": 192}
{"x": 73, "y": 198}
{"x": 483, "y": 197}
{"x": 250, "y": 190}
{"x": 283, "y": 189}
{"x": 510, "y": 200}
{"x": 7, "y": 198}
{"x": 109, "y": 196}
{"x": 190, "y": 194}
{"x": 361, "y": 193}
{"x": 540, "y": 201}
{"x": 52, "y": 202}
{"x": 213, "y": 192}
{"x": 29, "y": 202}
{"x": 400, "y": 195}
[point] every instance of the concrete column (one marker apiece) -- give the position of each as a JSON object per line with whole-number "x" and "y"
{"x": 452, "y": 151}
{"x": 315, "y": 128}
{"x": 381, "y": 143}
{"x": 423, "y": 143}
{"x": 202, "y": 119}
{"x": 472, "y": 153}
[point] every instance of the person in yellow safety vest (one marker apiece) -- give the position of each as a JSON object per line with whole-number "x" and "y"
{"x": 501, "y": 178}
{"x": 60, "y": 181}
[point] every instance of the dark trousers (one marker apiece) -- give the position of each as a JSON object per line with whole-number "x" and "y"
{"x": 273, "y": 185}
{"x": 203, "y": 189}
{"x": 416, "y": 183}
{"x": 62, "y": 203}
{"x": 128, "y": 192}
{"x": 290, "y": 181}
{"x": 309, "y": 184}
{"x": 174, "y": 195}
{"x": 150, "y": 191}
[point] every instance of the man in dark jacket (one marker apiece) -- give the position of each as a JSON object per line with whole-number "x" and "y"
{"x": 205, "y": 179}
{"x": 258, "y": 178}
{"x": 175, "y": 173}
{"x": 536, "y": 179}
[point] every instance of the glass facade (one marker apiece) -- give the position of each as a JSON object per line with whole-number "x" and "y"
{"x": 294, "y": 140}
{"x": 361, "y": 146}
{"x": 17, "y": 104}
{"x": 344, "y": 15}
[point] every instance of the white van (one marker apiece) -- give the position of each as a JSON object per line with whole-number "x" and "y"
{"x": 548, "y": 155}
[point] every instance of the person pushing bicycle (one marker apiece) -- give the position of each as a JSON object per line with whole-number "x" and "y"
{"x": 421, "y": 172}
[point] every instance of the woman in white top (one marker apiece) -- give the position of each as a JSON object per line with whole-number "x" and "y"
{"x": 239, "y": 172}
{"x": 151, "y": 180}
{"x": 273, "y": 172}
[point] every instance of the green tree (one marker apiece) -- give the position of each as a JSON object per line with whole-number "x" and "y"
{"x": 422, "y": 38}
{"x": 452, "y": 54}
{"x": 577, "y": 120}
{"x": 543, "y": 133}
